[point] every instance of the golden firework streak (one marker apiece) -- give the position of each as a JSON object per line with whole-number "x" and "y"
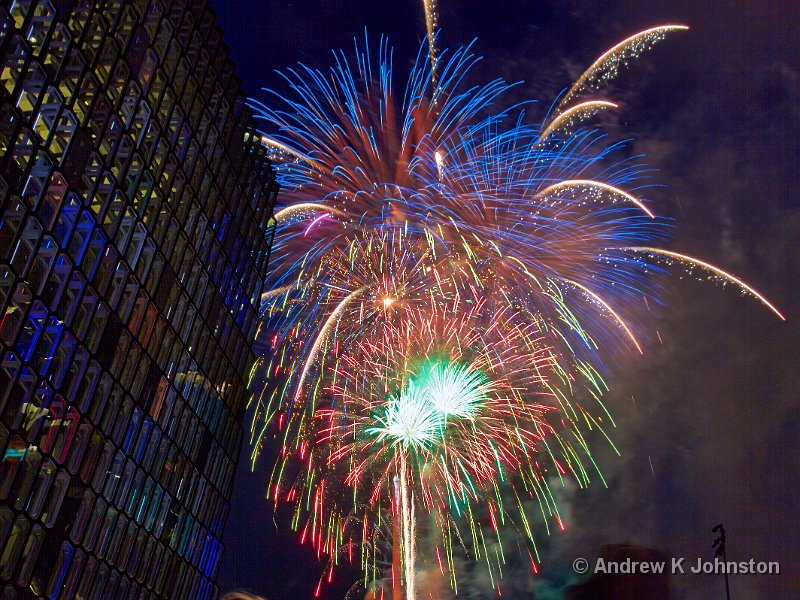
{"x": 290, "y": 210}
{"x": 581, "y": 111}
{"x": 609, "y": 309}
{"x": 598, "y": 185}
{"x": 607, "y": 66}
{"x": 708, "y": 267}
{"x": 323, "y": 334}
{"x": 432, "y": 24}
{"x": 278, "y": 291}
{"x": 268, "y": 141}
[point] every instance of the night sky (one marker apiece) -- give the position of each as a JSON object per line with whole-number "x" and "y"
{"x": 708, "y": 420}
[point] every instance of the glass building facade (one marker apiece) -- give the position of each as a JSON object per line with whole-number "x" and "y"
{"x": 135, "y": 233}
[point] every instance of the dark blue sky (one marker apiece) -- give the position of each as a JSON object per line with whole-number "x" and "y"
{"x": 716, "y": 412}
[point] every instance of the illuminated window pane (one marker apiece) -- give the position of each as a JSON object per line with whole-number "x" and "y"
{"x": 13, "y": 65}
{"x": 65, "y": 128}
{"x": 40, "y": 23}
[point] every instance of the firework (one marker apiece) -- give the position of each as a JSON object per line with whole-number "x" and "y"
{"x": 432, "y": 27}
{"x": 608, "y": 65}
{"x": 444, "y": 402}
{"x": 444, "y": 276}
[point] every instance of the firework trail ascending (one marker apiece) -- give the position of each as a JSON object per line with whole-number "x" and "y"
{"x": 431, "y": 27}
{"x": 443, "y": 281}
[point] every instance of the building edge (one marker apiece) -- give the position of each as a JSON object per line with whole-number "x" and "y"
{"x": 135, "y": 235}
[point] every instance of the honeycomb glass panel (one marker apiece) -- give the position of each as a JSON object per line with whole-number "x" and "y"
{"x": 64, "y": 130}
{"x": 14, "y": 545}
{"x": 39, "y": 25}
{"x": 13, "y": 65}
{"x": 47, "y": 114}
{"x": 32, "y": 87}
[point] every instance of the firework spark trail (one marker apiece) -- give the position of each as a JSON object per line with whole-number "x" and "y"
{"x": 608, "y": 65}
{"x": 330, "y": 322}
{"x": 432, "y": 26}
{"x": 605, "y": 305}
{"x": 409, "y": 529}
{"x": 275, "y": 144}
{"x": 570, "y": 185}
{"x": 306, "y": 207}
{"x": 444, "y": 280}
{"x": 572, "y": 117}
{"x": 690, "y": 260}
